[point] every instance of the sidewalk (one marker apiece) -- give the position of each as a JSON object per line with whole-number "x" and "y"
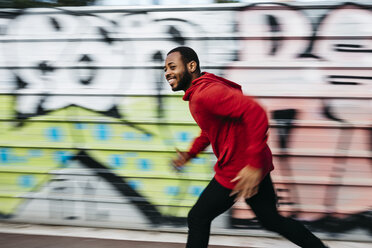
{"x": 14, "y": 235}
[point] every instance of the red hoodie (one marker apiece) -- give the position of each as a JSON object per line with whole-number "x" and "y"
{"x": 234, "y": 124}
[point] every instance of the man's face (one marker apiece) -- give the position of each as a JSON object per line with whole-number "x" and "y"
{"x": 176, "y": 72}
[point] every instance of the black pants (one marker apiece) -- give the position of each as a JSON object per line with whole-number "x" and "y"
{"x": 215, "y": 200}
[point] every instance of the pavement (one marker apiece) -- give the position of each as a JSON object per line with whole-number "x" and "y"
{"x": 17, "y": 235}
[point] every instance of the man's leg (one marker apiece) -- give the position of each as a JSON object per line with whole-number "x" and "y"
{"x": 263, "y": 205}
{"x": 212, "y": 202}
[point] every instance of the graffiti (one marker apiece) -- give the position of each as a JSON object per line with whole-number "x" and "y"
{"x": 89, "y": 125}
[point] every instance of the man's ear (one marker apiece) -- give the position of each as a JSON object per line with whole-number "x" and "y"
{"x": 191, "y": 66}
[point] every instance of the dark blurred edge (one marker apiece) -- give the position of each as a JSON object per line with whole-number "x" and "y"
{"x": 21, "y": 4}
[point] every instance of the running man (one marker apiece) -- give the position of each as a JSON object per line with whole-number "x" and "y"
{"x": 236, "y": 126}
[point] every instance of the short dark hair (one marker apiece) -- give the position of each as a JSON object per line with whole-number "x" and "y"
{"x": 188, "y": 55}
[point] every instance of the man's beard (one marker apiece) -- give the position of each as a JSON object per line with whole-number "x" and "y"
{"x": 184, "y": 82}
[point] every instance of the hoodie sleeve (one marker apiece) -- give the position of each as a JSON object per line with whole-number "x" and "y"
{"x": 199, "y": 144}
{"x": 231, "y": 103}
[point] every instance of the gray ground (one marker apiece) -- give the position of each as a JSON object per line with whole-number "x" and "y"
{"x": 42, "y": 241}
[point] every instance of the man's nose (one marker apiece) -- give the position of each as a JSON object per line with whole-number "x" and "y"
{"x": 166, "y": 74}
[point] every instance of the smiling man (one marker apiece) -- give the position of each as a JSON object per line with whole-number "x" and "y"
{"x": 178, "y": 66}
{"x": 236, "y": 126}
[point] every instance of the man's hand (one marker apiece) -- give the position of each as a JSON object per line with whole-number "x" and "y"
{"x": 248, "y": 180}
{"x": 181, "y": 160}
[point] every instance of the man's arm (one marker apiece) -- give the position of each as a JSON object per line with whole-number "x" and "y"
{"x": 199, "y": 144}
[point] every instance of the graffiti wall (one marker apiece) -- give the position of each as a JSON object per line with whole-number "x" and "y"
{"x": 89, "y": 125}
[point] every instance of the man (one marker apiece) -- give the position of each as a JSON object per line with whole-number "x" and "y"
{"x": 236, "y": 127}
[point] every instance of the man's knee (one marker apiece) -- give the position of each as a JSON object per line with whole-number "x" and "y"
{"x": 192, "y": 217}
{"x": 195, "y": 218}
{"x": 272, "y": 223}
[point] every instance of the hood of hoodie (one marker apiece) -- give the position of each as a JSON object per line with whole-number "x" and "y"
{"x": 208, "y": 78}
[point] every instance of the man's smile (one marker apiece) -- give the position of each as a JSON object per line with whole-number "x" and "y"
{"x": 171, "y": 81}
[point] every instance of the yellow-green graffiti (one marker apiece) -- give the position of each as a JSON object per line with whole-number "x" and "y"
{"x": 138, "y": 148}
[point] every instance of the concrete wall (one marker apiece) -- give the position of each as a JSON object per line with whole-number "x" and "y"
{"x": 88, "y": 124}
